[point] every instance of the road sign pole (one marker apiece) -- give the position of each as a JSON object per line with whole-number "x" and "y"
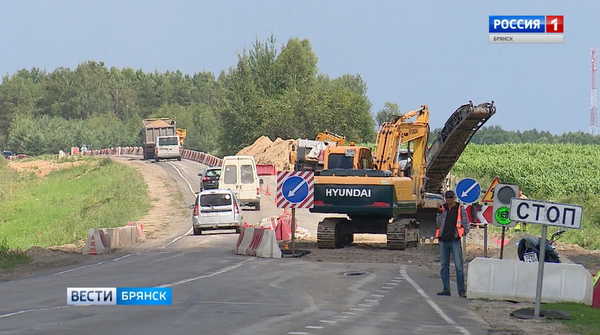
{"x": 485, "y": 240}
{"x": 540, "y": 275}
{"x": 293, "y": 231}
{"x": 502, "y": 243}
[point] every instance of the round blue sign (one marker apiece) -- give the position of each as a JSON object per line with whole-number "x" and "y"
{"x": 468, "y": 190}
{"x": 295, "y": 189}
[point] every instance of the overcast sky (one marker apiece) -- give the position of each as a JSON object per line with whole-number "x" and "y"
{"x": 411, "y": 53}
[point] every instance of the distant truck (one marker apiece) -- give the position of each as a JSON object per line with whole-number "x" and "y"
{"x": 153, "y": 128}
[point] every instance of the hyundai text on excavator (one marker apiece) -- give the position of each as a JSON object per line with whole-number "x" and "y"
{"x": 397, "y": 190}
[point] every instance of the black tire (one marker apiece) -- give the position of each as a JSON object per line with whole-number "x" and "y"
{"x": 238, "y": 230}
{"x": 257, "y": 206}
{"x": 156, "y": 159}
{"x": 197, "y": 231}
{"x": 179, "y": 158}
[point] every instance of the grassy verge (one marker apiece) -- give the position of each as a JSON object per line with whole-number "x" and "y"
{"x": 62, "y": 206}
{"x": 585, "y": 320}
{"x": 9, "y": 258}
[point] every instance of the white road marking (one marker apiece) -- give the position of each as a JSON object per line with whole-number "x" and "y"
{"x": 372, "y": 301}
{"x": 377, "y": 295}
{"x": 314, "y": 327}
{"x": 390, "y": 284}
{"x": 358, "y": 309}
{"x": 396, "y": 280}
{"x": 382, "y": 291}
{"x": 4, "y": 316}
{"x": 78, "y": 268}
{"x": 364, "y": 305}
{"x": 182, "y": 177}
{"x": 298, "y": 333}
{"x": 179, "y": 237}
{"x": 216, "y": 273}
{"x": 122, "y": 257}
{"x": 431, "y": 303}
{"x": 349, "y": 313}
{"x": 328, "y": 321}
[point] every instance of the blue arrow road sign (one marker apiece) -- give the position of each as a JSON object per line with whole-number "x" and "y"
{"x": 468, "y": 190}
{"x": 295, "y": 189}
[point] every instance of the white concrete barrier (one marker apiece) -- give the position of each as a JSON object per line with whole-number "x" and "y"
{"x": 259, "y": 242}
{"x": 490, "y": 278}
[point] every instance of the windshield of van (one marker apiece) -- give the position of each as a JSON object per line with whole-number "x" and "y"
{"x": 168, "y": 141}
{"x": 230, "y": 174}
{"x": 222, "y": 199}
{"x": 247, "y": 174}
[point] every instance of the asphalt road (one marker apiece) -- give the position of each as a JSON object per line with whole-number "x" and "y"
{"x": 217, "y": 292}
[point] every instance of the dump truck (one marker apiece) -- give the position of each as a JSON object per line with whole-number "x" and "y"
{"x": 153, "y": 128}
{"x": 307, "y": 155}
{"x": 397, "y": 192}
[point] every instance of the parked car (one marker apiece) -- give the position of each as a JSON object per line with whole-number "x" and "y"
{"x": 239, "y": 175}
{"x": 8, "y": 154}
{"x": 216, "y": 209}
{"x": 210, "y": 178}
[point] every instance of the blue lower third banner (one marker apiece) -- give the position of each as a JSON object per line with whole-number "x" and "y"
{"x": 119, "y": 296}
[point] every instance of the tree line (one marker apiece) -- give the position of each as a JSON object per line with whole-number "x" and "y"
{"x": 273, "y": 91}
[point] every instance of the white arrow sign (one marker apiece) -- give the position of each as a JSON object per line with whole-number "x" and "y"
{"x": 467, "y": 191}
{"x": 291, "y": 193}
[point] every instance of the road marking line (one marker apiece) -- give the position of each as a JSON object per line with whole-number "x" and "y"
{"x": 298, "y": 333}
{"x": 358, "y": 309}
{"x": 382, "y": 291}
{"x": 4, "y": 316}
{"x": 365, "y": 305}
{"x": 372, "y": 300}
{"x": 122, "y": 257}
{"x": 179, "y": 237}
{"x": 349, "y": 313}
{"x": 328, "y": 321}
{"x": 314, "y": 327}
{"x": 396, "y": 280}
{"x": 390, "y": 284}
{"x": 377, "y": 295}
{"x": 78, "y": 268}
{"x": 431, "y": 303}
{"x": 182, "y": 177}
{"x": 216, "y": 273}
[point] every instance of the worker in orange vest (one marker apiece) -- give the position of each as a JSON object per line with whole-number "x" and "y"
{"x": 451, "y": 224}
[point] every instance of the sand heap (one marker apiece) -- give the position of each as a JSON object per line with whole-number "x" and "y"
{"x": 275, "y": 152}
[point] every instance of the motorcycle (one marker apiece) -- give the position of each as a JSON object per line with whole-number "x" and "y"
{"x": 529, "y": 249}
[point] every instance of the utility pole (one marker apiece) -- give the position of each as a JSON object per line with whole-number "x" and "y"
{"x": 594, "y": 119}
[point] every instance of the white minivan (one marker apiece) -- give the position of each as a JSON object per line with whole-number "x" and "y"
{"x": 167, "y": 147}
{"x": 238, "y": 173}
{"x": 216, "y": 209}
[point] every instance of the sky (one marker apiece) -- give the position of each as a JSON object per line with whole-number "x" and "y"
{"x": 408, "y": 52}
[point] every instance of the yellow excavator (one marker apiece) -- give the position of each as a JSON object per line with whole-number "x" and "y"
{"x": 390, "y": 193}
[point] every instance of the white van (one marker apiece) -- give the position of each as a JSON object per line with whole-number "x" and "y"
{"x": 238, "y": 174}
{"x": 167, "y": 147}
{"x": 216, "y": 209}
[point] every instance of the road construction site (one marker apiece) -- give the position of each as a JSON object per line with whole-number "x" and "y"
{"x": 361, "y": 289}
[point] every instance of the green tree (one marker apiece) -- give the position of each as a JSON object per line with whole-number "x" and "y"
{"x": 386, "y": 114}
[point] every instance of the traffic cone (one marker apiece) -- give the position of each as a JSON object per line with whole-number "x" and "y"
{"x": 92, "y": 249}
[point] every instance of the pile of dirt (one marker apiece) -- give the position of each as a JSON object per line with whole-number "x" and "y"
{"x": 42, "y": 168}
{"x": 275, "y": 152}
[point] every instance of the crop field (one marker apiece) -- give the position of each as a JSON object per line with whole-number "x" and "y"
{"x": 567, "y": 173}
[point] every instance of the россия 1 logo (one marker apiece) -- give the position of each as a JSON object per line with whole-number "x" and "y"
{"x": 526, "y": 28}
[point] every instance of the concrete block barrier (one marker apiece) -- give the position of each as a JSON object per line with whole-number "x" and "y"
{"x": 505, "y": 279}
{"x": 259, "y": 242}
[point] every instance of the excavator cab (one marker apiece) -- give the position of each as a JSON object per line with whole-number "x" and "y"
{"x": 348, "y": 157}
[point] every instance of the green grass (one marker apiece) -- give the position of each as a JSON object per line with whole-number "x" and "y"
{"x": 585, "y": 319}
{"x": 9, "y": 258}
{"x": 564, "y": 173}
{"x": 61, "y": 207}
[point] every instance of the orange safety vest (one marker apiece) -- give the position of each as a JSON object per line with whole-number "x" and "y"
{"x": 459, "y": 227}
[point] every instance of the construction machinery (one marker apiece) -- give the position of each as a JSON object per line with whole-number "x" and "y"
{"x": 308, "y": 154}
{"x": 388, "y": 195}
{"x": 153, "y": 128}
{"x": 182, "y": 134}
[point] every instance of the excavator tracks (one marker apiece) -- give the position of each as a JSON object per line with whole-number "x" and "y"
{"x": 453, "y": 139}
{"x": 334, "y": 233}
{"x": 402, "y": 233}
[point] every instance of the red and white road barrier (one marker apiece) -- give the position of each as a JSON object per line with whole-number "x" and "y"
{"x": 96, "y": 243}
{"x": 259, "y": 242}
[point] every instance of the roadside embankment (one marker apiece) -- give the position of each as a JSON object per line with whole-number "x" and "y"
{"x": 49, "y": 202}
